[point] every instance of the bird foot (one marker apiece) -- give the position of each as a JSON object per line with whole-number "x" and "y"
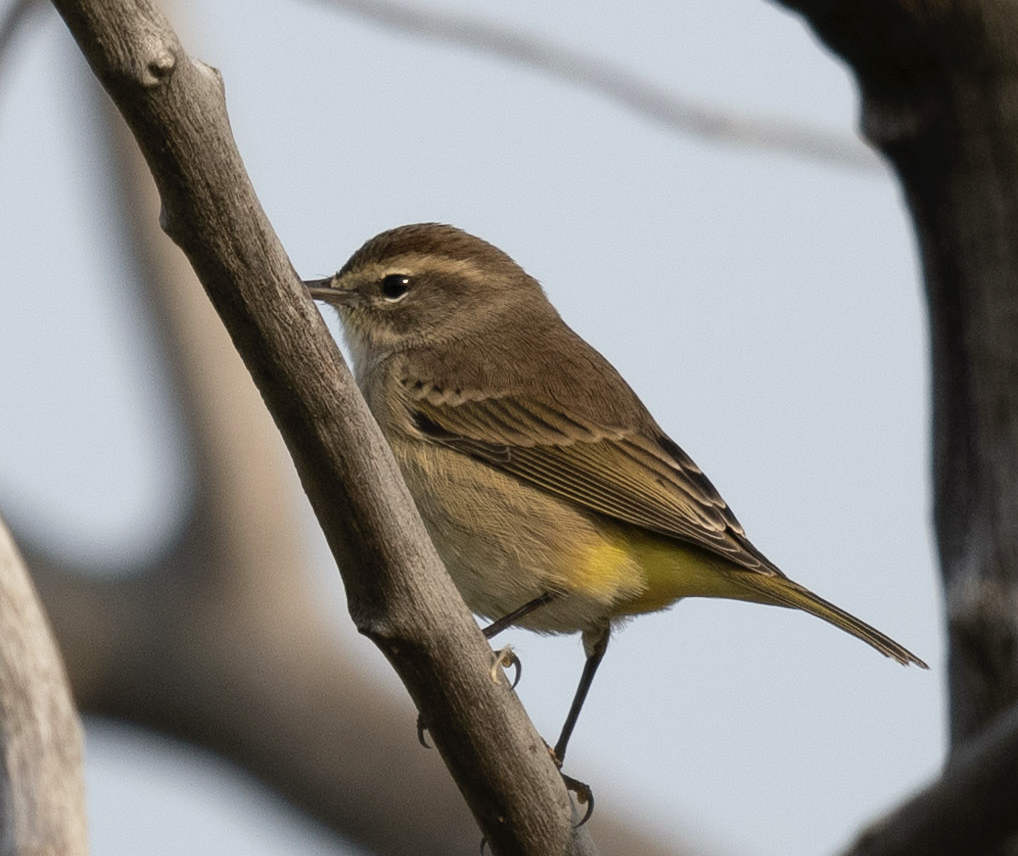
{"x": 505, "y": 658}
{"x": 584, "y": 796}
{"x": 583, "y": 791}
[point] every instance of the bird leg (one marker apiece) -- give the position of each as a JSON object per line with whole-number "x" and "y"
{"x": 505, "y": 621}
{"x": 595, "y": 643}
{"x": 505, "y": 656}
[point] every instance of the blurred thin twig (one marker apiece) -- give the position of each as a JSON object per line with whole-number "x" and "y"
{"x": 640, "y": 95}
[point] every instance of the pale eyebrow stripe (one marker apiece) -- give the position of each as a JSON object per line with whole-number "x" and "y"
{"x": 410, "y": 264}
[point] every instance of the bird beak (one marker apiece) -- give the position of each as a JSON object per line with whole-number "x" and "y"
{"x": 323, "y": 289}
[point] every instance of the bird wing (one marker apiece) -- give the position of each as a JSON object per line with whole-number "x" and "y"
{"x": 625, "y": 474}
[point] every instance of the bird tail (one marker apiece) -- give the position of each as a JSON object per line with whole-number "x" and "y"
{"x": 781, "y": 591}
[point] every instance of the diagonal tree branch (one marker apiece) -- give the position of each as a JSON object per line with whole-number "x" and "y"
{"x": 398, "y": 593}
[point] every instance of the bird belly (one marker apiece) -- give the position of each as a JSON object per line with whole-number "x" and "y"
{"x": 506, "y": 543}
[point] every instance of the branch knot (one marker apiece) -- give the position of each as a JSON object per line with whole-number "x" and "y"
{"x": 159, "y": 68}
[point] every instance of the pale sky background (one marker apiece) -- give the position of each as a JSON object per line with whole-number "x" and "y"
{"x": 766, "y": 308}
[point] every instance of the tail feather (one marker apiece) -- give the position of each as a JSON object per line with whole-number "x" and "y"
{"x": 781, "y": 591}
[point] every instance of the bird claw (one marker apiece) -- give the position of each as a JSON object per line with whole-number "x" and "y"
{"x": 421, "y": 729}
{"x": 504, "y": 659}
{"x": 584, "y": 796}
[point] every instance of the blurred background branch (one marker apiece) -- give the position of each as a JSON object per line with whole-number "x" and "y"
{"x": 42, "y": 788}
{"x": 970, "y": 809}
{"x": 13, "y": 17}
{"x": 937, "y": 101}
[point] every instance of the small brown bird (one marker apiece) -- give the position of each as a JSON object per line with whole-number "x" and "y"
{"x": 555, "y": 500}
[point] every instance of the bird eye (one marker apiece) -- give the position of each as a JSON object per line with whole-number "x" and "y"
{"x": 395, "y": 287}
